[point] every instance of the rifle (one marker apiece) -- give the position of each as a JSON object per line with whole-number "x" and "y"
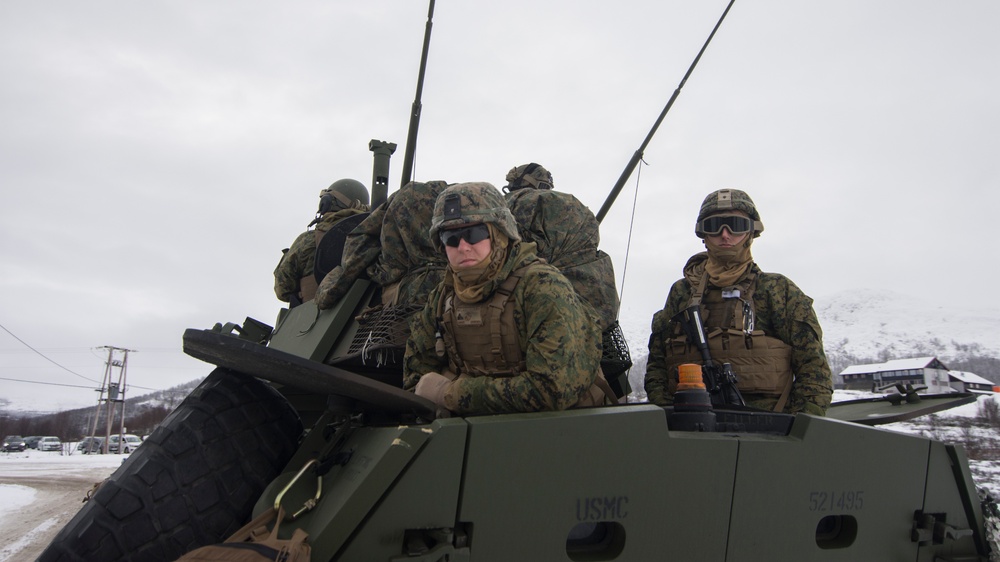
{"x": 630, "y": 167}
{"x": 720, "y": 380}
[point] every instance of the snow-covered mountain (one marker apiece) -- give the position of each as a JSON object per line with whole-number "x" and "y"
{"x": 877, "y": 325}
{"x": 882, "y": 324}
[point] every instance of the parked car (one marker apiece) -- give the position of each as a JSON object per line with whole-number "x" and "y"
{"x": 90, "y": 445}
{"x": 13, "y": 443}
{"x": 32, "y": 441}
{"x": 49, "y": 444}
{"x": 131, "y": 442}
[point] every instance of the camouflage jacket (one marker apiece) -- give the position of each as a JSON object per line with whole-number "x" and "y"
{"x": 567, "y": 235}
{"x": 782, "y": 311}
{"x": 299, "y": 259}
{"x": 392, "y": 245}
{"x": 557, "y": 333}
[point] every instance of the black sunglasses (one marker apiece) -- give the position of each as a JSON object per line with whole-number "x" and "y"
{"x": 471, "y": 234}
{"x": 735, "y": 223}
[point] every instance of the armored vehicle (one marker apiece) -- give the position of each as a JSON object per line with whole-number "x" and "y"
{"x": 311, "y": 415}
{"x": 307, "y": 420}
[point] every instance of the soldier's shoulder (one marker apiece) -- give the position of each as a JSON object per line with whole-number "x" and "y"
{"x": 562, "y": 200}
{"x": 680, "y": 285}
{"x": 777, "y": 281}
{"x": 543, "y": 274}
{"x": 307, "y": 238}
{"x": 420, "y": 191}
{"x": 680, "y": 289}
{"x": 778, "y": 286}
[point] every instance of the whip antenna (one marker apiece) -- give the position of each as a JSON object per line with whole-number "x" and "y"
{"x": 411, "y": 136}
{"x": 638, "y": 153}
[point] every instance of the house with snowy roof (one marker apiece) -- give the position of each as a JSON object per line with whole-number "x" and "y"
{"x": 916, "y": 371}
{"x": 964, "y": 381}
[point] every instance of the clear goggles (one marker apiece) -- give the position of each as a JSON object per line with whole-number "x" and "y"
{"x": 735, "y": 223}
{"x": 471, "y": 234}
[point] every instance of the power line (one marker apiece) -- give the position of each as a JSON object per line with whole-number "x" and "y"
{"x": 43, "y": 356}
{"x": 48, "y": 383}
{"x": 92, "y": 388}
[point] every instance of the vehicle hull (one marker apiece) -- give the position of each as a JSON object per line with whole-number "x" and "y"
{"x": 513, "y": 487}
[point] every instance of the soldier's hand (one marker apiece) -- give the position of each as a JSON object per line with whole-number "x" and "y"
{"x": 323, "y": 300}
{"x": 331, "y": 289}
{"x": 433, "y": 387}
{"x": 813, "y": 409}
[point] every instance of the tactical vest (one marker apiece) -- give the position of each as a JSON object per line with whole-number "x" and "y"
{"x": 762, "y": 363}
{"x": 482, "y": 339}
{"x": 308, "y": 284}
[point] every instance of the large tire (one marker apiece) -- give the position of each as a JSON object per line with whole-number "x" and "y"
{"x": 193, "y": 482}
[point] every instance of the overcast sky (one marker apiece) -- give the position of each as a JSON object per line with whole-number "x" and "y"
{"x": 155, "y": 157}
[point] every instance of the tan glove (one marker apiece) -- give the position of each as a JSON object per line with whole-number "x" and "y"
{"x": 433, "y": 387}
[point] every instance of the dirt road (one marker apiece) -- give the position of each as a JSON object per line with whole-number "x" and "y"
{"x": 59, "y": 485}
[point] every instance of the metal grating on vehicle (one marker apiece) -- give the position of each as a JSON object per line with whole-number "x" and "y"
{"x": 616, "y": 358}
{"x": 382, "y": 327}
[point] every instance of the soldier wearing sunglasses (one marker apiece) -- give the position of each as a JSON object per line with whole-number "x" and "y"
{"x": 504, "y": 331}
{"x": 761, "y": 323}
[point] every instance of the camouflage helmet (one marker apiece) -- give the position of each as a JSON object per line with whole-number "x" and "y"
{"x": 528, "y": 175}
{"x": 728, "y": 200}
{"x": 345, "y": 192}
{"x": 471, "y": 203}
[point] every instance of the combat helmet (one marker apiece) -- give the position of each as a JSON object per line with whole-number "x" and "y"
{"x": 471, "y": 203}
{"x": 528, "y": 175}
{"x": 725, "y": 200}
{"x": 342, "y": 194}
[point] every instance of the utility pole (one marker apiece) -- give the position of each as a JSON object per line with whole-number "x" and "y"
{"x": 115, "y": 395}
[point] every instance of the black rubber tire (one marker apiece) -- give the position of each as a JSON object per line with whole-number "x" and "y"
{"x": 193, "y": 482}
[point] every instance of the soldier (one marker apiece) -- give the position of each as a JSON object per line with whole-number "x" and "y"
{"x": 761, "y": 323}
{"x": 393, "y": 247}
{"x": 294, "y": 278}
{"x": 504, "y": 331}
{"x": 566, "y": 235}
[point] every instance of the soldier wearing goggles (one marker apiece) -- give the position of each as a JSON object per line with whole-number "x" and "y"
{"x": 760, "y": 323}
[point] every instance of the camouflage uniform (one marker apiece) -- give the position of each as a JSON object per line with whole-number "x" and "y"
{"x": 780, "y": 311}
{"x": 567, "y": 236}
{"x": 561, "y": 344}
{"x": 392, "y": 245}
{"x": 299, "y": 260}
{"x": 558, "y": 338}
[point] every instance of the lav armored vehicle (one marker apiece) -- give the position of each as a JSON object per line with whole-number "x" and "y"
{"x": 310, "y": 416}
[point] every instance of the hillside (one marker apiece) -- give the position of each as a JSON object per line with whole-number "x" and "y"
{"x": 874, "y": 326}
{"x": 142, "y": 413}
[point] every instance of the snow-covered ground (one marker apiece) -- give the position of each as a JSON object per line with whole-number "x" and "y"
{"x": 40, "y": 491}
